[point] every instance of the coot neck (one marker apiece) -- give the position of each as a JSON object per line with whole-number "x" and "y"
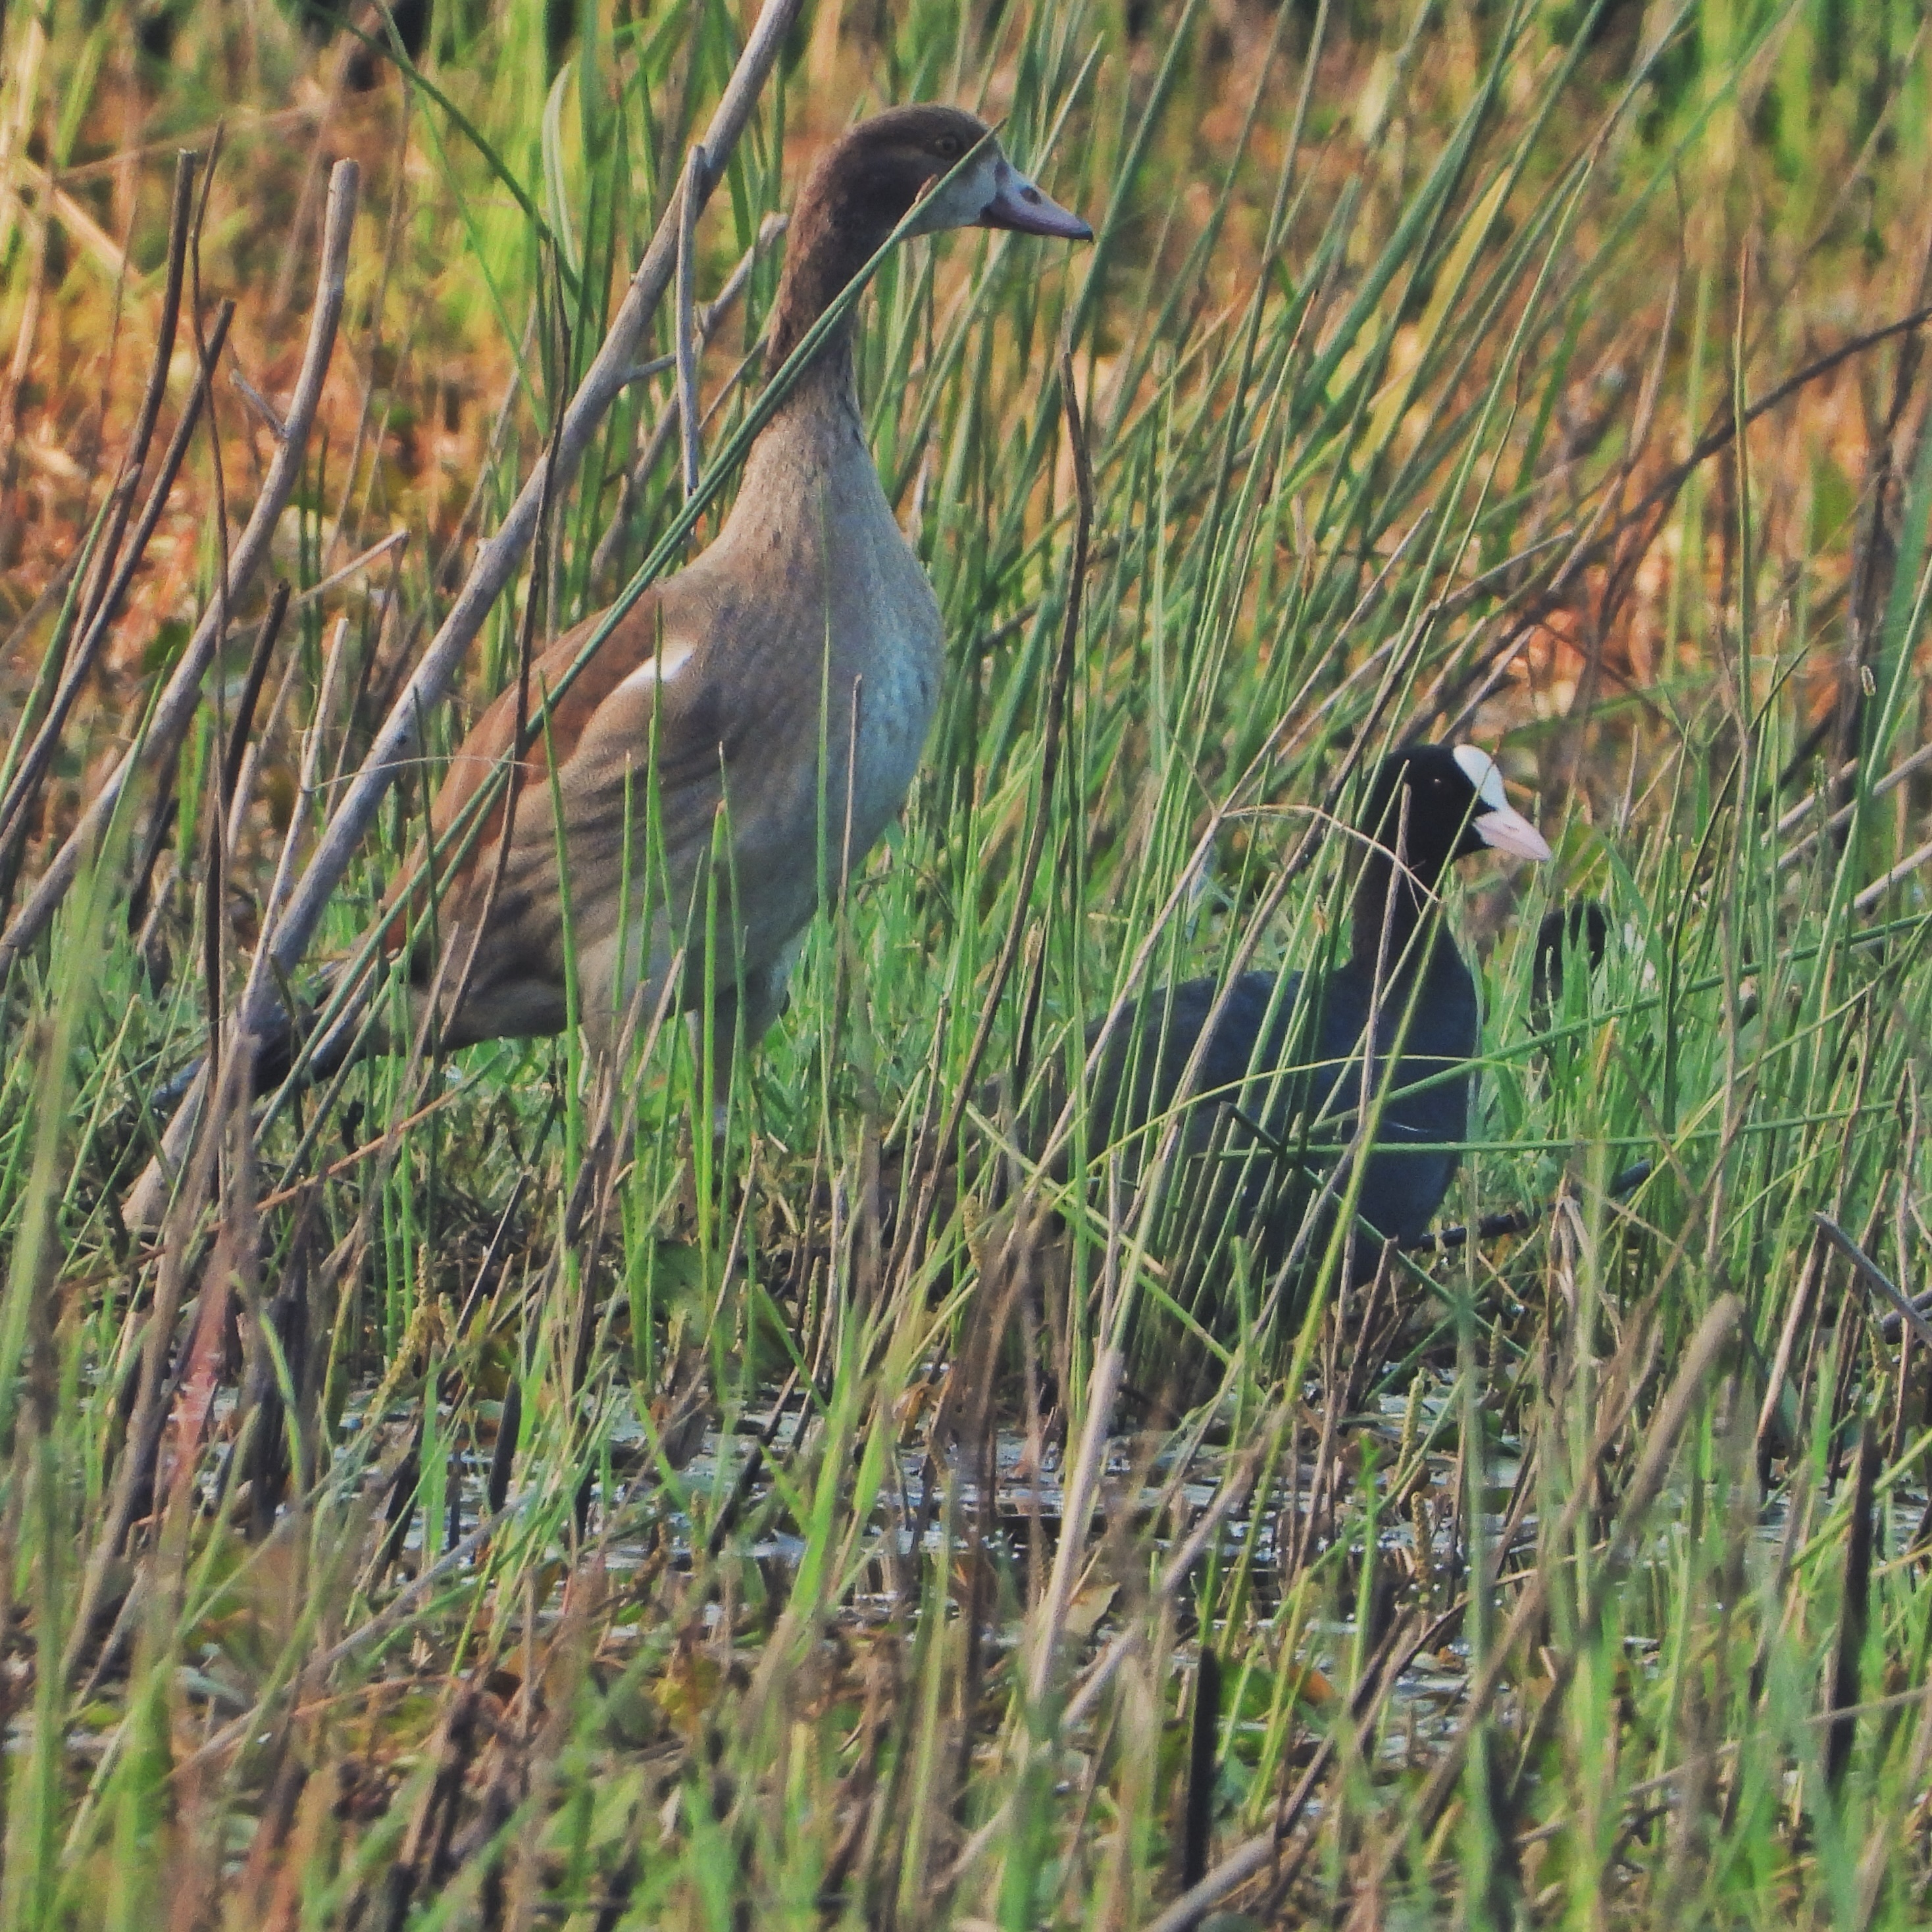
{"x": 1391, "y": 906}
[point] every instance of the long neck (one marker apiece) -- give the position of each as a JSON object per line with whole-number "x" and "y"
{"x": 813, "y": 452}
{"x": 1390, "y": 904}
{"x": 833, "y": 237}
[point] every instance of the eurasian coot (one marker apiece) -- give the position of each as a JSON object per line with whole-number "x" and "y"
{"x": 1274, "y": 1109}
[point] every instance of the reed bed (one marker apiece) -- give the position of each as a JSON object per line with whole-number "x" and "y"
{"x": 476, "y": 1501}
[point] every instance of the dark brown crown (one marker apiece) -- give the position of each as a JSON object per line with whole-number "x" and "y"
{"x": 863, "y": 186}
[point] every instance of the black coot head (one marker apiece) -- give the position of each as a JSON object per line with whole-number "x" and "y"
{"x": 1581, "y": 930}
{"x": 1445, "y": 802}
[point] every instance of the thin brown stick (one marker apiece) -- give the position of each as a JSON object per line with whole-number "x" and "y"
{"x": 1483, "y": 675}
{"x": 174, "y": 709}
{"x": 214, "y": 908}
{"x": 1653, "y": 1466}
{"x": 120, "y": 505}
{"x": 179, "y": 216}
{"x": 325, "y": 710}
{"x": 251, "y": 691}
{"x": 134, "y": 1479}
{"x": 1401, "y": 1648}
{"x": 1660, "y": 1442}
{"x": 312, "y": 1677}
{"x": 1854, "y": 1614}
{"x": 401, "y": 208}
{"x": 51, "y": 593}
{"x": 17, "y": 808}
{"x": 710, "y": 317}
{"x": 687, "y": 332}
{"x": 1875, "y": 1277}
{"x": 1870, "y": 897}
{"x": 1906, "y": 768}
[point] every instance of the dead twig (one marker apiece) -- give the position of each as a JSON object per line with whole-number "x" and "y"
{"x": 1875, "y": 1277}
{"x": 1595, "y": 544}
{"x": 694, "y": 167}
{"x": 100, "y": 563}
{"x": 709, "y": 318}
{"x": 17, "y": 808}
{"x": 174, "y": 709}
{"x": 179, "y": 217}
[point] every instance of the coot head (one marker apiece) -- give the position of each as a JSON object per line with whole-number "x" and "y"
{"x": 1438, "y": 803}
{"x": 1429, "y": 805}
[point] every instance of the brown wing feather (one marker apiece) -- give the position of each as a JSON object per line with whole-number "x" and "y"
{"x": 525, "y": 921}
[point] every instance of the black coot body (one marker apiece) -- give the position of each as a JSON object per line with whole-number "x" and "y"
{"x": 1277, "y": 1098}
{"x": 1276, "y": 1117}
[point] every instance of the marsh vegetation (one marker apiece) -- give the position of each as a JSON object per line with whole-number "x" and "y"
{"x": 478, "y": 1500}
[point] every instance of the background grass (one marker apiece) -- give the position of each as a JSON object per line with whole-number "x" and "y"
{"x": 482, "y": 1506}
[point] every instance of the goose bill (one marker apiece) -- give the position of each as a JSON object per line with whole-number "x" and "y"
{"x": 1506, "y": 830}
{"x": 1018, "y": 205}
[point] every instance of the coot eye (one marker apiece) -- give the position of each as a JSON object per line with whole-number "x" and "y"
{"x": 946, "y": 147}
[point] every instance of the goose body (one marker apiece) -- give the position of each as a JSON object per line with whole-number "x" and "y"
{"x": 808, "y": 626}
{"x": 748, "y": 729}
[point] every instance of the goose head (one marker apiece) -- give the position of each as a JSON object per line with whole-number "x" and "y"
{"x": 940, "y": 165}
{"x": 943, "y": 166}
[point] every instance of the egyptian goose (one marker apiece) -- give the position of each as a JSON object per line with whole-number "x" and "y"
{"x": 781, "y": 685}
{"x": 1278, "y": 1090}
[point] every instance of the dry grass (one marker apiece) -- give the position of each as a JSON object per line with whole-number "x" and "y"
{"x": 477, "y": 1504}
